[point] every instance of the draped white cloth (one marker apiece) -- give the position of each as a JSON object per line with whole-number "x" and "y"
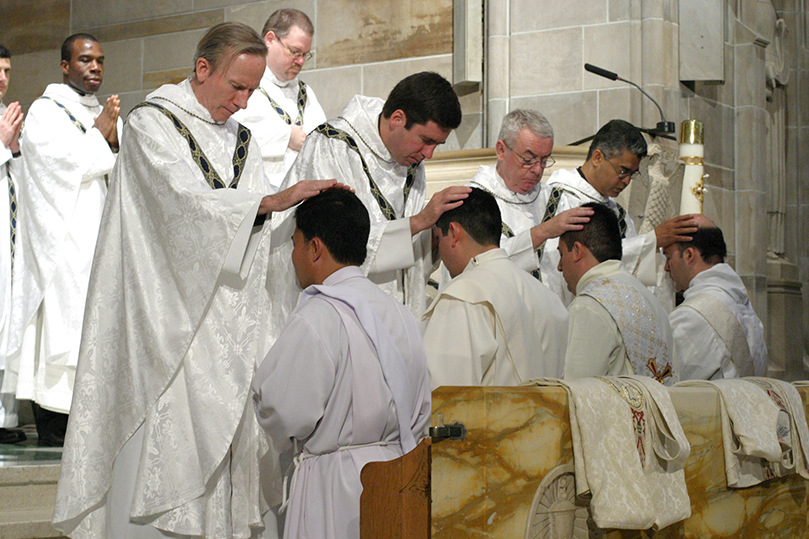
{"x": 268, "y": 127}
{"x": 599, "y": 344}
{"x": 322, "y": 386}
{"x": 173, "y": 331}
{"x": 699, "y": 349}
{"x": 520, "y": 212}
{"x": 494, "y": 324}
{"x": 61, "y": 193}
{"x": 397, "y": 261}
{"x": 639, "y": 251}
{"x": 8, "y": 165}
{"x": 750, "y": 429}
{"x": 629, "y": 451}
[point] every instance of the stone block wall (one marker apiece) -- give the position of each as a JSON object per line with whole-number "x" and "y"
{"x": 360, "y": 47}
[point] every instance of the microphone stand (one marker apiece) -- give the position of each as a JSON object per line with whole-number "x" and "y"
{"x": 661, "y": 129}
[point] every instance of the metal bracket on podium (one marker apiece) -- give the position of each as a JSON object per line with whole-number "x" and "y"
{"x": 455, "y": 431}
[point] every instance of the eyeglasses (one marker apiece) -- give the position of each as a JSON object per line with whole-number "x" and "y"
{"x": 528, "y": 162}
{"x": 296, "y": 55}
{"x": 633, "y": 175}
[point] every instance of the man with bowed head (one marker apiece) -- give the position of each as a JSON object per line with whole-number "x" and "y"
{"x": 378, "y": 148}
{"x": 162, "y": 440}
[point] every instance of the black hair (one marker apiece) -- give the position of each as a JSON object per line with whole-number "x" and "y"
{"x": 479, "y": 216}
{"x": 4, "y": 52}
{"x": 423, "y": 97}
{"x": 601, "y": 235}
{"x": 67, "y": 44}
{"x": 710, "y": 243}
{"x": 617, "y": 136}
{"x": 340, "y": 220}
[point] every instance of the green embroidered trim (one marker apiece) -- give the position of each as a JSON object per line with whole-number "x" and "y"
{"x": 211, "y": 176}
{"x": 73, "y": 119}
{"x": 385, "y": 206}
{"x": 281, "y": 112}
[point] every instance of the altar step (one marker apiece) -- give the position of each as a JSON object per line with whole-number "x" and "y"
{"x": 28, "y": 476}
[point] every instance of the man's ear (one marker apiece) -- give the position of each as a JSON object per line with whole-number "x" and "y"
{"x": 690, "y": 255}
{"x": 317, "y": 249}
{"x": 597, "y": 157}
{"x": 455, "y": 232}
{"x": 500, "y": 149}
{"x": 202, "y": 69}
{"x": 269, "y": 37}
{"x": 397, "y": 119}
{"x": 578, "y": 250}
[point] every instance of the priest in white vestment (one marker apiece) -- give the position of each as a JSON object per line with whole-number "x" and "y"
{"x": 346, "y": 383}
{"x": 162, "y": 440}
{"x": 616, "y": 324}
{"x": 612, "y": 162}
{"x": 493, "y": 324}
{"x": 377, "y": 148}
{"x": 524, "y": 148}
{"x": 68, "y": 146}
{"x": 717, "y": 333}
{"x": 10, "y": 123}
{"x": 284, "y": 109}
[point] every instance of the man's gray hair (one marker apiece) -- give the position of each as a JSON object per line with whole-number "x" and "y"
{"x": 519, "y": 119}
{"x": 225, "y": 41}
{"x": 282, "y": 21}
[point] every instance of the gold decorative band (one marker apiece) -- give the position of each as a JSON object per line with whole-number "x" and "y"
{"x": 693, "y": 161}
{"x": 692, "y": 132}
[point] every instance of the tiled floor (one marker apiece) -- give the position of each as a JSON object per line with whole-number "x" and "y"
{"x": 27, "y": 453}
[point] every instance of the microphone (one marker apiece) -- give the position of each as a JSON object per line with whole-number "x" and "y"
{"x": 662, "y": 126}
{"x": 601, "y": 72}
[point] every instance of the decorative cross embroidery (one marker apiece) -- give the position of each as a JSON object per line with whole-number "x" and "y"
{"x": 12, "y": 206}
{"x": 659, "y": 376}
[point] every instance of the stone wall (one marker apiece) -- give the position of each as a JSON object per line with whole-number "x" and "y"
{"x": 360, "y": 47}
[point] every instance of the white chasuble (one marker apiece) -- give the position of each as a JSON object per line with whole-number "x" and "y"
{"x": 397, "y": 261}
{"x": 639, "y": 251}
{"x": 702, "y": 347}
{"x": 327, "y": 387}
{"x": 271, "y": 111}
{"x": 496, "y": 325}
{"x": 61, "y": 190}
{"x": 173, "y": 331}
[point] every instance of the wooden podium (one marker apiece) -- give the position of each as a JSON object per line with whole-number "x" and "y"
{"x": 395, "y": 501}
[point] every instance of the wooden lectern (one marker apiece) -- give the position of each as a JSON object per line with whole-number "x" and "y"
{"x": 395, "y": 501}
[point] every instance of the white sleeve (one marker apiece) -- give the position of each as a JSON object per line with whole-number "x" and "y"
{"x": 292, "y": 385}
{"x": 520, "y": 249}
